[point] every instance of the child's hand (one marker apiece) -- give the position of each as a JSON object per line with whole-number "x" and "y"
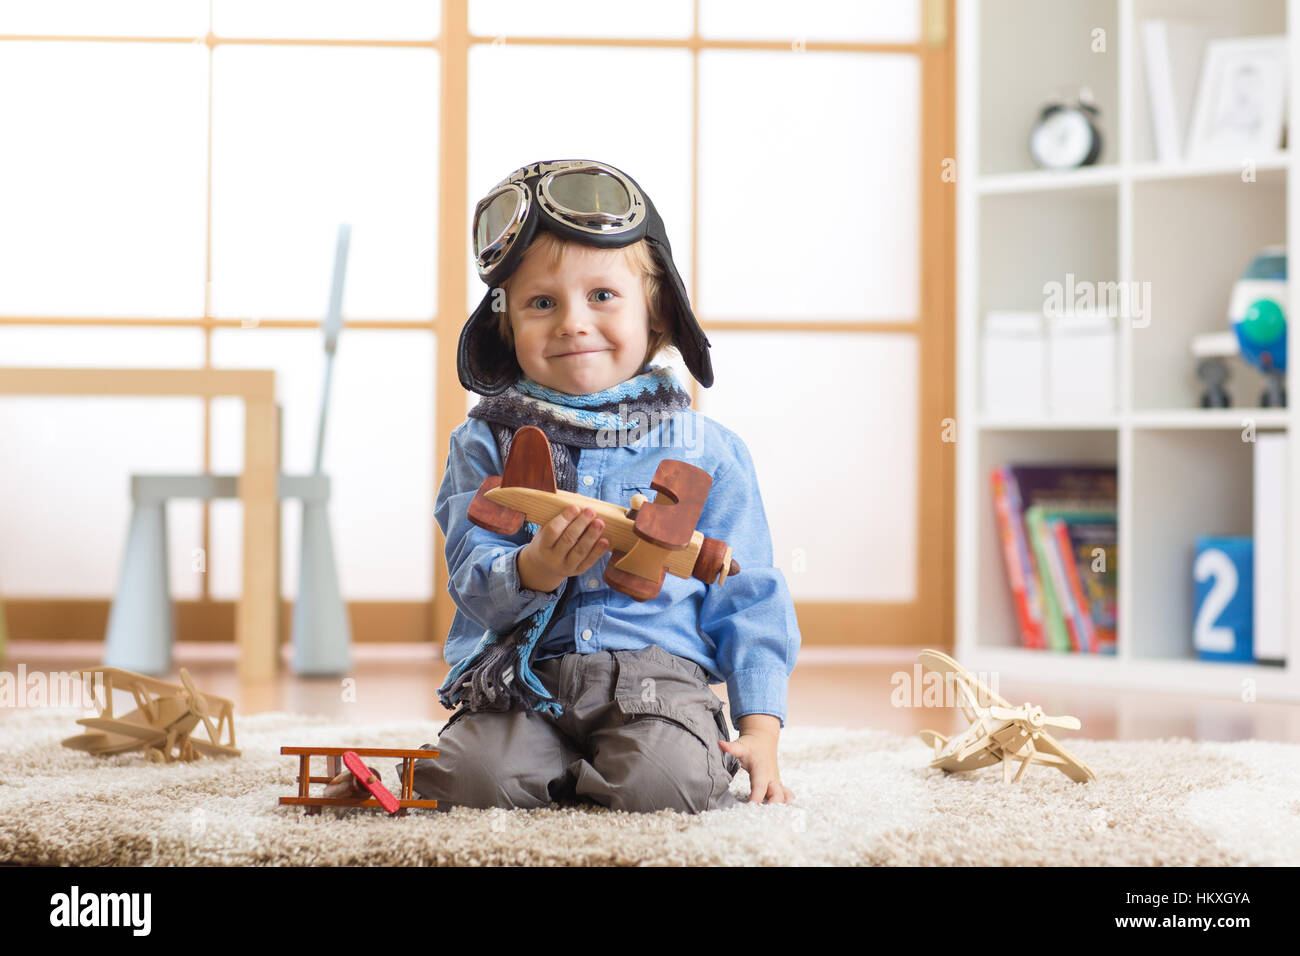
{"x": 569, "y": 544}
{"x": 755, "y": 748}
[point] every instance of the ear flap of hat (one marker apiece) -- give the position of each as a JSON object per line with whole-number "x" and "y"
{"x": 484, "y": 362}
{"x": 687, "y": 334}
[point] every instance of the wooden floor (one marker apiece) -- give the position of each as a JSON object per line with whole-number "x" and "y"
{"x": 829, "y": 688}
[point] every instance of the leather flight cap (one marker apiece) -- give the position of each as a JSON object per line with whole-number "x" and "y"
{"x": 488, "y": 366}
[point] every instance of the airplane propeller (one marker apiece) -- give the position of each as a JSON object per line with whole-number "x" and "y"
{"x": 1033, "y": 715}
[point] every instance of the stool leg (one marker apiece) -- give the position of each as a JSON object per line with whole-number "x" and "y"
{"x": 140, "y": 622}
{"x": 322, "y": 637}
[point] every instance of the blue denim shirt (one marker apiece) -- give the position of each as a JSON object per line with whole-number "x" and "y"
{"x": 743, "y": 631}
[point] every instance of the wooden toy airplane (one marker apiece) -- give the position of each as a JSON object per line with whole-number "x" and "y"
{"x": 646, "y": 540}
{"x": 999, "y": 733}
{"x": 360, "y": 786}
{"x": 163, "y": 721}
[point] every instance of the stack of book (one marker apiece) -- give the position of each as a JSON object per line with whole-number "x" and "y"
{"x": 1058, "y": 533}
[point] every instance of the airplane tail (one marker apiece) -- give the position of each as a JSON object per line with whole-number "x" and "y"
{"x": 529, "y": 464}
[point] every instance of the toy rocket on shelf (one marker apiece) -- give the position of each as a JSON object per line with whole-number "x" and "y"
{"x": 647, "y": 539}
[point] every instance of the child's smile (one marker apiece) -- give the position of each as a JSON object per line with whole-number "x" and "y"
{"x": 583, "y": 326}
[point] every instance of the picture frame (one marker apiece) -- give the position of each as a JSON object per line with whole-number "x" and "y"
{"x": 1241, "y": 99}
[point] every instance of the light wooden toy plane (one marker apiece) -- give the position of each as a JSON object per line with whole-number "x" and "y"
{"x": 999, "y": 732}
{"x": 163, "y": 721}
{"x": 646, "y": 539}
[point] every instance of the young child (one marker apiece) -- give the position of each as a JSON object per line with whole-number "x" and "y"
{"x": 576, "y": 692}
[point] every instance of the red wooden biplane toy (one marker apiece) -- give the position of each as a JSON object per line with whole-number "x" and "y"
{"x": 363, "y": 788}
{"x": 646, "y": 539}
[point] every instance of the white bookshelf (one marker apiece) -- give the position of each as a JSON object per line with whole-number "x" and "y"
{"x": 1188, "y": 229}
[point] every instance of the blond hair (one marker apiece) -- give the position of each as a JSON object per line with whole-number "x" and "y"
{"x": 640, "y": 260}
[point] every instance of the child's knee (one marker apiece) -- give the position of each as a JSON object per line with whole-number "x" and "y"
{"x": 657, "y": 764}
{"x": 470, "y": 771}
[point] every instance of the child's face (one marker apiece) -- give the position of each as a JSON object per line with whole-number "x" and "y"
{"x": 582, "y": 327}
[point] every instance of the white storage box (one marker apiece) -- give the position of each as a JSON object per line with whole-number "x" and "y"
{"x": 1014, "y": 366}
{"x": 1081, "y": 365}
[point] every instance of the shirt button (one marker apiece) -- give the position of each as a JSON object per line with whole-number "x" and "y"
{"x": 592, "y": 583}
{"x": 586, "y": 633}
{"x": 588, "y": 480}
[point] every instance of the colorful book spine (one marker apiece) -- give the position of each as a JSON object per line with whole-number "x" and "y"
{"x": 1082, "y": 614}
{"x": 1015, "y": 553}
{"x": 1058, "y": 637}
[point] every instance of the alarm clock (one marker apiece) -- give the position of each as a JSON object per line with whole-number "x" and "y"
{"x": 1065, "y": 135}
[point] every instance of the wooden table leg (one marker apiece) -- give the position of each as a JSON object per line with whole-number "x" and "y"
{"x": 257, "y": 621}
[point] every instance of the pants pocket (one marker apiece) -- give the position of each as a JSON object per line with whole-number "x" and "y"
{"x": 651, "y": 683}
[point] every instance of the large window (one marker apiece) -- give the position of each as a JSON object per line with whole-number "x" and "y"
{"x": 175, "y": 172}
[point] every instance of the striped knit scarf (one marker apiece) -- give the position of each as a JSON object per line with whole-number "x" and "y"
{"x": 620, "y": 415}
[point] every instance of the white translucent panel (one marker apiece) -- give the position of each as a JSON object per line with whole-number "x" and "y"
{"x": 66, "y": 488}
{"x": 329, "y": 19}
{"x": 305, "y": 138}
{"x": 32, "y": 424}
{"x": 172, "y": 18}
{"x": 861, "y": 20}
{"x": 840, "y": 432}
{"x": 102, "y": 178}
{"x": 98, "y": 346}
{"x": 580, "y": 18}
{"x": 640, "y": 124}
{"x": 378, "y": 454}
{"x": 809, "y": 199}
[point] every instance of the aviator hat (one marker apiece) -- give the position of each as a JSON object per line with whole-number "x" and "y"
{"x": 581, "y": 201}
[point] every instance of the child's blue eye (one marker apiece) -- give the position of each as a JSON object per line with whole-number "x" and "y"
{"x": 608, "y": 291}
{"x": 541, "y": 298}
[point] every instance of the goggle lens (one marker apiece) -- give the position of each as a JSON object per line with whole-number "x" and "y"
{"x": 590, "y": 192}
{"x": 493, "y": 221}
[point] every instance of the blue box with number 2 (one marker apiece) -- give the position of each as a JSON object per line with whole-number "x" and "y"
{"x": 1223, "y": 628}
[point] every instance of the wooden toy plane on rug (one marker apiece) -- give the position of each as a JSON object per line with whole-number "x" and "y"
{"x": 999, "y": 732}
{"x": 364, "y": 789}
{"x": 646, "y": 539}
{"x": 162, "y": 723}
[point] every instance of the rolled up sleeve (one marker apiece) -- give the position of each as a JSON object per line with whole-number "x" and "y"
{"x": 750, "y": 617}
{"x": 482, "y": 567}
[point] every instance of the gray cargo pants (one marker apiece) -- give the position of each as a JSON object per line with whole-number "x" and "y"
{"x": 639, "y": 732}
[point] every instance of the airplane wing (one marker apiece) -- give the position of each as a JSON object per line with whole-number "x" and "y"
{"x": 121, "y": 728}
{"x": 1072, "y": 766}
{"x": 213, "y": 750}
{"x": 670, "y": 520}
{"x": 941, "y": 662}
{"x": 128, "y": 680}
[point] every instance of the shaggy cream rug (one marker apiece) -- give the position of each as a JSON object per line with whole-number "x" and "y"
{"x": 863, "y": 797}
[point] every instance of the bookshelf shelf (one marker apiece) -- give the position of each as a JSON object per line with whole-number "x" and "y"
{"x": 1262, "y": 419}
{"x": 1094, "y": 178}
{"x": 1048, "y": 424}
{"x": 1165, "y": 675}
{"x": 1185, "y": 229}
{"x": 1229, "y": 418}
{"x": 1267, "y": 168}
